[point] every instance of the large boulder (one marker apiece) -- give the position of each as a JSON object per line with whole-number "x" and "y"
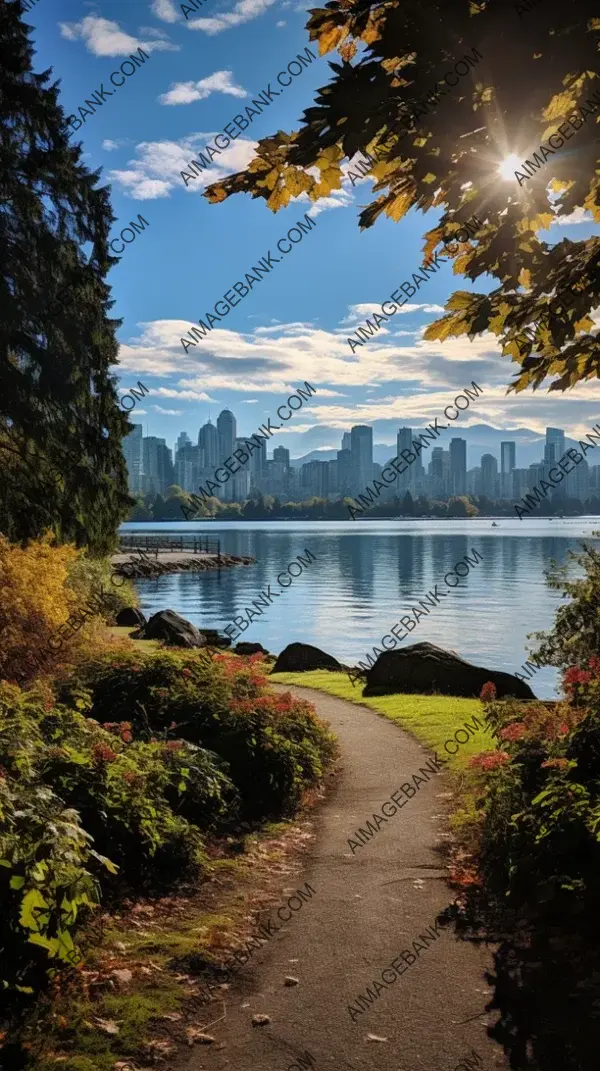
{"x": 245, "y": 648}
{"x": 131, "y": 616}
{"x": 424, "y": 669}
{"x": 300, "y": 657}
{"x": 174, "y": 630}
{"x": 215, "y": 639}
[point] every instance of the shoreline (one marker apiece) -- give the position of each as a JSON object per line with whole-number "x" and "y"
{"x": 167, "y": 561}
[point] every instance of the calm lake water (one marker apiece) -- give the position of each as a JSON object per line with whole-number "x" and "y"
{"x": 368, "y": 573}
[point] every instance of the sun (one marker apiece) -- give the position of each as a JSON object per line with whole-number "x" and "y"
{"x": 508, "y": 167}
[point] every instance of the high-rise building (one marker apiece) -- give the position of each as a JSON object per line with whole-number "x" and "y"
{"x": 361, "y": 447}
{"x": 508, "y": 462}
{"x": 346, "y": 443}
{"x": 508, "y": 457}
{"x": 226, "y": 429}
{"x": 226, "y": 432}
{"x": 555, "y": 445}
{"x": 133, "y": 454}
{"x": 187, "y": 467}
{"x": 404, "y": 440}
{"x": 489, "y": 475}
{"x": 183, "y": 439}
{"x": 158, "y": 465}
{"x": 458, "y": 466}
{"x": 345, "y": 472}
{"x": 208, "y": 441}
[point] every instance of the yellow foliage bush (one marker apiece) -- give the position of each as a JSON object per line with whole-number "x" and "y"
{"x": 34, "y": 602}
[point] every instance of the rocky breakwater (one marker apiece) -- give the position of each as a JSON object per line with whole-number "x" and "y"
{"x": 146, "y": 566}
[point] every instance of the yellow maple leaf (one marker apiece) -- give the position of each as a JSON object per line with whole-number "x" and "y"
{"x": 279, "y": 199}
{"x": 330, "y": 36}
{"x": 561, "y": 105}
{"x": 429, "y": 177}
{"x": 461, "y": 300}
{"x": 585, "y": 324}
{"x": 400, "y": 205}
{"x": 297, "y": 181}
{"x": 525, "y": 278}
{"x": 270, "y": 179}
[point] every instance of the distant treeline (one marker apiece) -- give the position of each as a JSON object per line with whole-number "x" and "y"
{"x": 167, "y": 507}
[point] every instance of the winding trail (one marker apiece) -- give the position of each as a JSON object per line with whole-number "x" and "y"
{"x": 368, "y": 908}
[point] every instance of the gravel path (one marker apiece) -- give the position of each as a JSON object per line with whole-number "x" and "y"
{"x": 368, "y": 907}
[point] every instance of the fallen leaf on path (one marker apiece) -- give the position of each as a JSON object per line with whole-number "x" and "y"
{"x": 109, "y": 1026}
{"x": 260, "y": 1020}
{"x": 373, "y": 1037}
{"x": 289, "y": 980}
{"x": 197, "y": 1036}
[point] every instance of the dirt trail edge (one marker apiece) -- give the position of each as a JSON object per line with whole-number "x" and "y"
{"x": 368, "y": 908}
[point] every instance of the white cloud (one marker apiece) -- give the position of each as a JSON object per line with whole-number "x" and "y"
{"x": 157, "y": 170}
{"x": 110, "y": 145}
{"x": 167, "y": 412}
{"x": 250, "y": 401}
{"x": 280, "y": 24}
{"x": 578, "y": 216}
{"x": 105, "y": 38}
{"x": 187, "y": 92}
{"x": 415, "y": 380}
{"x": 358, "y": 313}
{"x": 166, "y": 10}
{"x": 243, "y": 11}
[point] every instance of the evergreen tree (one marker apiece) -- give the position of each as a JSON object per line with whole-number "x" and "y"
{"x": 408, "y": 506}
{"x": 62, "y": 465}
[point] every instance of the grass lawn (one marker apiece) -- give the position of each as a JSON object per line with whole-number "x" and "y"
{"x": 433, "y": 719}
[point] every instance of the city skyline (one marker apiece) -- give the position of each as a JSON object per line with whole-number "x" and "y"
{"x": 443, "y": 472}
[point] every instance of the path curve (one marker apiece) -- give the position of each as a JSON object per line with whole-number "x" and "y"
{"x": 368, "y": 908}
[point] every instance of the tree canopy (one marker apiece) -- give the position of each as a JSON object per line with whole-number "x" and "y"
{"x": 62, "y": 464}
{"x": 437, "y": 142}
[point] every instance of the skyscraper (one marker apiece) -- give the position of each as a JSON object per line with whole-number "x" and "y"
{"x": 404, "y": 440}
{"x": 158, "y": 464}
{"x": 489, "y": 475}
{"x": 226, "y": 429}
{"x": 555, "y": 445}
{"x": 226, "y": 432}
{"x": 361, "y": 446}
{"x": 458, "y": 466}
{"x": 508, "y": 463}
{"x": 508, "y": 459}
{"x": 346, "y": 441}
{"x": 208, "y": 441}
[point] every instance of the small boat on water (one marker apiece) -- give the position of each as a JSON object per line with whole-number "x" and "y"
{"x": 494, "y": 525}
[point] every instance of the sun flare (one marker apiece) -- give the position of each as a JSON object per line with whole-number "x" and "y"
{"x": 508, "y": 167}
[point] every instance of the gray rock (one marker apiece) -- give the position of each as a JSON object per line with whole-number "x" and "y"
{"x": 130, "y": 615}
{"x": 245, "y": 648}
{"x": 301, "y": 657}
{"x": 425, "y": 669}
{"x": 174, "y": 630}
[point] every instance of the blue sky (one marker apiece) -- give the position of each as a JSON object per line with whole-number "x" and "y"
{"x": 294, "y": 325}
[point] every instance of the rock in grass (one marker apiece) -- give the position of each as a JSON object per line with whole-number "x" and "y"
{"x": 260, "y": 1020}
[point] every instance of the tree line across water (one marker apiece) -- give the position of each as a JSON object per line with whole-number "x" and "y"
{"x": 168, "y": 507}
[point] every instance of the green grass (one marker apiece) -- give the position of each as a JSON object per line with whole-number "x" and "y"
{"x": 433, "y": 719}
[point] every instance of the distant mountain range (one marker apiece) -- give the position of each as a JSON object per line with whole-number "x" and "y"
{"x": 480, "y": 438}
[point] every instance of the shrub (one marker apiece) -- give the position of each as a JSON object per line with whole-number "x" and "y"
{"x": 73, "y": 793}
{"x": 540, "y": 805}
{"x": 274, "y": 745}
{"x": 46, "y": 595}
{"x": 31, "y": 611}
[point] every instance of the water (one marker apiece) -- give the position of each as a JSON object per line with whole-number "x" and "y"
{"x": 366, "y": 576}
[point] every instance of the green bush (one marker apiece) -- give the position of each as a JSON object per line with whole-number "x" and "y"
{"x": 274, "y": 746}
{"x": 540, "y": 807}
